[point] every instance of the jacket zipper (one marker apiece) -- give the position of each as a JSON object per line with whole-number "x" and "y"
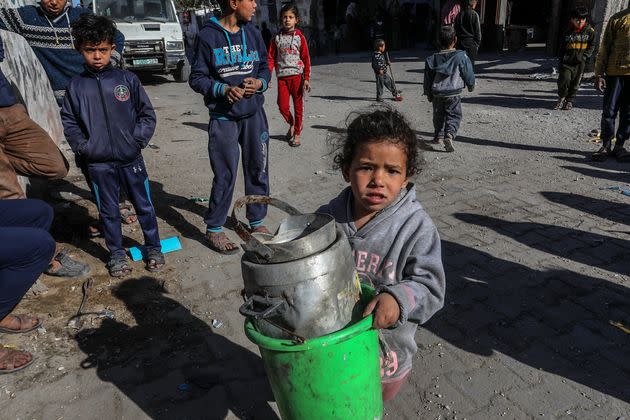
{"x": 109, "y": 130}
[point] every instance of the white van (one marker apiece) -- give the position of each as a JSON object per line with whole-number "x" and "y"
{"x": 154, "y": 40}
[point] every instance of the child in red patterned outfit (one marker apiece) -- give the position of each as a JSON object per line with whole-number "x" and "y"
{"x": 288, "y": 54}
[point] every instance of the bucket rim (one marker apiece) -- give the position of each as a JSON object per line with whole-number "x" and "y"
{"x": 285, "y": 345}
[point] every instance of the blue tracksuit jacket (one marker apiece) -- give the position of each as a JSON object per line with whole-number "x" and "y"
{"x": 223, "y": 58}
{"x": 107, "y": 115}
{"x": 107, "y": 119}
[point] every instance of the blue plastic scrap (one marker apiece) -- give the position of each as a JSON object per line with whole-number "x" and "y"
{"x": 625, "y": 190}
{"x": 168, "y": 245}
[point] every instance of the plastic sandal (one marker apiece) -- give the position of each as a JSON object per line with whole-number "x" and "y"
{"x": 218, "y": 241}
{"x": 21, "y": 319}
{"x": 155, "y": 260}
{"x": 8, "y": 359}
{"x": 118, "y": 267}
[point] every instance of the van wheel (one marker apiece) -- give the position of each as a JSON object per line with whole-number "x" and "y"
{"x": 182, "y": 73}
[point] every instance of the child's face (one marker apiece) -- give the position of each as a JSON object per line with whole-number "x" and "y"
{"x": 244, "y": 9}
{"x": 289, "y": 20}
{"x": 97, "y": 55}
{"x": 377, "y": 173}
{"x": 381, "y": 48}
{"x": 578, "y": 22}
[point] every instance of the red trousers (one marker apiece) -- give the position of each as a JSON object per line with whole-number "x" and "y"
{"x": 291, "y": 86}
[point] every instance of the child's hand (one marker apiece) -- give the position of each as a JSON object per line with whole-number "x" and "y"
{"x": 600, "y": 83}
{"x": 307, "y": 86}
{"x": 381, "y": 72}
{"x": 251, "y": 86}
{"x": 234, "y": 93}
{"x": 387, "y": 310}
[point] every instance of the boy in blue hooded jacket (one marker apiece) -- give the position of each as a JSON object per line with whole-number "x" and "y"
{"x": 446, "y": 74}
{"x": 230, "y": 70}
{"x": 108, "y": 119}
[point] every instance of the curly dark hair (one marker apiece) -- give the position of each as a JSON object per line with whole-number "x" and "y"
{"x": 374, "y": 125}
{"x": 290, "y": 7}
{"x": 93, "y": 29}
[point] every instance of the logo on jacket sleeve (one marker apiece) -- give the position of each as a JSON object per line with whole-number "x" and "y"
{"x": 121, "y": 92}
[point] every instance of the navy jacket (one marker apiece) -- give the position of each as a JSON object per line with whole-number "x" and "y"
{"x": 107, "y": 115}
{"x": 223, "y": 58}
{"x": 6, "y": 92}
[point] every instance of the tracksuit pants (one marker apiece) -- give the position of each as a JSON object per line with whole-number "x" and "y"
{"x": 569, "y": 80}
{"x": 447, "y": 115}
{"x": 26, "y": 248}
{"x": 107, "y": 179}
{"x": 224, "y": 139}
{"x": 384, "y": 80}
{"x": 25, "y": 149}
{"x": 291, "y": 87}
{"x": 616, "y": 103}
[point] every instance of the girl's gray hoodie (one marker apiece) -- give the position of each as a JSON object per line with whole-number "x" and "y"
{"x": 397, "y": 252}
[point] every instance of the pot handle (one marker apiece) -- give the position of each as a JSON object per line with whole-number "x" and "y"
{"x": 251, "y": 243}
{"x": 272, "y": 305}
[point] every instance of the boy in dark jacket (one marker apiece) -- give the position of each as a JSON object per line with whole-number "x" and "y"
{"x": 108, "y": 119}
{"x": 230, "y": 70}
{"x": 446, "y": 74}
{"x": 577, "y": 49}
{"x": 380, "y": 61}
{"x": 468, "y": 30}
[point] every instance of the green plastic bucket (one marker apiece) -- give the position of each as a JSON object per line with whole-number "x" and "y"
{"x": 336, "y": 376}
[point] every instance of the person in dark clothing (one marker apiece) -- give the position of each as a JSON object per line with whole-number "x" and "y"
{"x": 578, "y": 47}
{"x": 380, "y": 61}
{"x": 25, "y": 251}
{"x": 446, "y": 73}
{"x": 108, "y": 119}
{"x": 468, "y": 29}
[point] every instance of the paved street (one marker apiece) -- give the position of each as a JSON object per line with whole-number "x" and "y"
{"x": 536, "y": 322}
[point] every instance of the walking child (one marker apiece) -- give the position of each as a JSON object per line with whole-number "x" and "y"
{"x": 577, "y": 49}
{"x": 108, "y": 119}
{"x": 380, "y": 61}
{"x": 230, "y": 71}
{"x": 446, "y": 74}
{"x": 288, "y": 54}
{"x": 396, "y": 245}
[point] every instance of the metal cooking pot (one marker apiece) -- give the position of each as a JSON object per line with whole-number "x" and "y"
{"x": 301, "y": 282}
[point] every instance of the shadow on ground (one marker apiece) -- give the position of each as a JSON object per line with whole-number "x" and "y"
{"x": 171, "y": 364}
{"x": 552, "y": 320}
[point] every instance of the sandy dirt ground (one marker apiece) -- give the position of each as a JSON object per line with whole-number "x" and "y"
{"x": 535, "y": 252}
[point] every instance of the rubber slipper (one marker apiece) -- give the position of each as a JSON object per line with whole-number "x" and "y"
{"x": 294, "y": 143}
{"x": 21, "y": 318}
{"x": 10, "y": 354}
{"x": 125, "y": 214}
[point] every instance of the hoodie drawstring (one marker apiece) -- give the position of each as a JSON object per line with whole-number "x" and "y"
{"x": 227, "y": 36}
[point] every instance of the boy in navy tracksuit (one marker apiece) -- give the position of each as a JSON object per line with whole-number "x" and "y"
{"x": 108, "y": 119}
{"x": 230, "y": 70}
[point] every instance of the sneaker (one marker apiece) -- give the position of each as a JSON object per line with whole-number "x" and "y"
{"x": 448, "y": 143}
